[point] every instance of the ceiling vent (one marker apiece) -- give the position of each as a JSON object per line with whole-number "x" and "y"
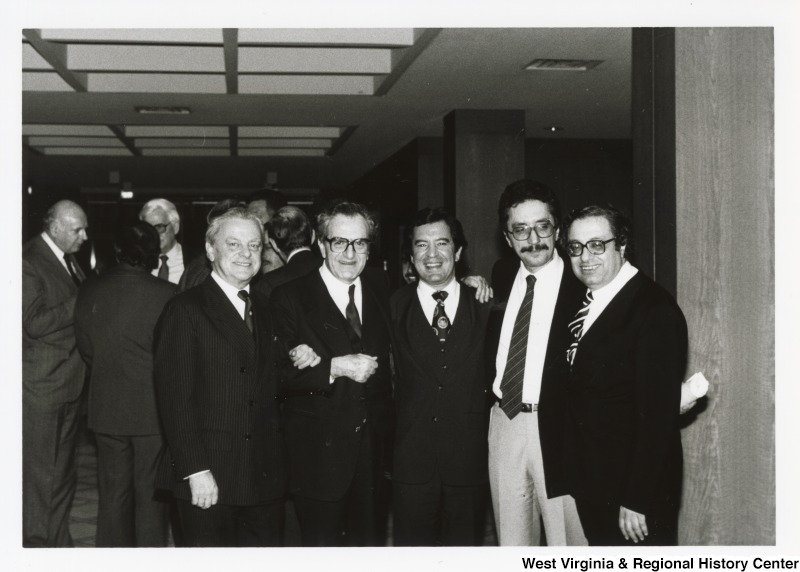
{"x": 562, "y": 65}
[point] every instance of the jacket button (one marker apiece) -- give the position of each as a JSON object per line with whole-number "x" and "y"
{"x": 435, "y": 419}
{"x": 444, "y": 366}
{"x": 247, "y": 436}
{"x": 242, "y": 369}
{"x": 442, "y": 350}
{"x": 441, "y": 388}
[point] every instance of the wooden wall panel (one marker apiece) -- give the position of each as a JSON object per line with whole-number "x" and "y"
{"x": 725, "y": 268}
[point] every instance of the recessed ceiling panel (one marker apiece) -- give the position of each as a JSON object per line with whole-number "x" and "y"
{"x": 193, "y": 142}
{"x": 85, "y": 151}
{"x": 175, "y": 131}
{"x": 186, "y": 152}
{"x": 307, "y": 84}
{"x": 44, "y": 81}
{"x": 55, "y": 130}
{"x": 31, "y": 60}
{"x": 294, "y": 143}
{"x": 145, "y": 58}
{"x": 281, "y": 131}
{"x": 156, "y": 83}
{"x": 281, "y": 152}
{"x": 315, "y": 60}
{"x": 329, "y": 36}
{"x": 163, "y": 36}
{"x": 75, "y": 142}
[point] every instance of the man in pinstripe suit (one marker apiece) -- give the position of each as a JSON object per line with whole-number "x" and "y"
{"x": 216, "y": 395}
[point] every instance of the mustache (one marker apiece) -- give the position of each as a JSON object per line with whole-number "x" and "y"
{"x": 535, "y": 248}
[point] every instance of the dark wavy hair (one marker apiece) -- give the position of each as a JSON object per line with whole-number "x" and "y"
{"x": 527, "y": 190}
{"x": 621, "y": 227}
{"x": 430, "y": 215}
{"x": 138, "y": 245}
{"x": 290, "y": 229}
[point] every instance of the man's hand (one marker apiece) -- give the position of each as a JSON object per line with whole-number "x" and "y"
{"x": 204, "y": 490}
{"x": 303, "y": 356}
{"x": 632, "y": 524}
{"x": 483, "y": 292}
{"x": 358, "y": 367}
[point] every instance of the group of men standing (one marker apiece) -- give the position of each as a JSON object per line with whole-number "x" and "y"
{"x": 562, "y": 393}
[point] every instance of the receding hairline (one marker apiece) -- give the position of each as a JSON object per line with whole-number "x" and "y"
{"x": 60, "y": 211}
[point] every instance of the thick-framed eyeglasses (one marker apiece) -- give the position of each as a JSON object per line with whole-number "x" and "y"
{"x": 575, "y": 248}
{"x": 338, "y": 244}
{"x": 543, "y": 229}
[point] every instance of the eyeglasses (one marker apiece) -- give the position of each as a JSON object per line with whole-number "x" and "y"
{"x": 543, "y": 229}
{"x": 338, "y": 244}
{"x": 575, "y": 248}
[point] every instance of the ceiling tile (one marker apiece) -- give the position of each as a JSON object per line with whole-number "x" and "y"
{"x": 286, "y": 143}
{"x": 186, "y": 152}
{"x": 91, "y": 57}
{"x": 281, "y": 152}
{"x": 329, "y": 36}
{"x": 54, "y": 130}
{"x": 31, "y": 60}
{"x": 156, "y": 83}
{"x": 283, "y": 131}
{"x": 85, "y": 151}
{"x": 75, "y": 142}
{"x": 175, "y": 131}
{"x": 307, "y": 84}
{"x": 44, "y": 81}
{"x": 193, "y": 142}
{"x": 166, "y": 36}
{"x": 315, "y": 60}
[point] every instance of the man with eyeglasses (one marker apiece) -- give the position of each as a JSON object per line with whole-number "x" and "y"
{"x": 627, "y": 360}
{"x": 163, "y": 215}
{"x": 216, "y": 389}
{"x": 525, "y": 341}
{"x": 338, "y": 408}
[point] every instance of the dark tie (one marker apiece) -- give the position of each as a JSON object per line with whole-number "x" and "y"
{"x": 163, "y": 270}
{"x": 70, "y": 260}
{"x": 248, "y": 309}
{"x": 576, "y": 326}
{"x": 440, "y": 323}
{"x": 511, "y": 384}
{"x": 352, "y": 312}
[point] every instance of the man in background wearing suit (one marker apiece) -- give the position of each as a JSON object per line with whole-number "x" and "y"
{"x": 338, "y": 411}
{"x": 52, "y": 375}
{"x": 163, "y": 215}
{"x": 627, "y": 358}
{"x": 290, "y": 236}
{"x": 526, "y": 338}
{"x": 115, "y": 316}
{"x": 216, "y": 388}
{"x": 264, "y": 204}
{"x": 441, "y": 394}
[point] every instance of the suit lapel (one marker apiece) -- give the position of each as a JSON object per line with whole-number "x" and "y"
{"x": 323, "y": 313}
{"x": 57, "y": 270}
{"x": 227, "y": 319}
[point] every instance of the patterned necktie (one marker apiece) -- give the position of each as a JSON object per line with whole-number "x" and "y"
{"x": 576, "y": 326}
{"x": 440, "y": 322}
{"x": 351, "y": 312}
{"x": 511, "y": 384}
{"x": 70, "y": 260}
{"x": 248, "y": 309}
{"x": 163, "y": 270}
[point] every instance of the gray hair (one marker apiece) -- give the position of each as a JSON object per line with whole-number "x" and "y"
{"x": 348, "y": 209}
{"x": 234, "y": 213}
{"x": 164, "y": 205}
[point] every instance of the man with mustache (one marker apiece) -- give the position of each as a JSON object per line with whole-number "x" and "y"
{"x": 526, "y": 338}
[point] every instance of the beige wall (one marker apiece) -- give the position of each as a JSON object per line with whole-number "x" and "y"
{"x": 725, "y": 267}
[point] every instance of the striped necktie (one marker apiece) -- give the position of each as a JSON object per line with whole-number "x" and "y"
{"x": 576, "y": 326}
{"x": 511, "y": 384}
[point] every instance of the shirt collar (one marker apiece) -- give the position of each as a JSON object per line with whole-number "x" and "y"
{"x": 550, "y": 271}
{"x": 174, "y": 252}
{"x": 333, "y": 283}
{"x": 304, "y": 248}
{"x": 626, "y": 272}
{"x": 427, "y": 290}
{"x": 230, "y": 290}
{"x": 53, "y": 246}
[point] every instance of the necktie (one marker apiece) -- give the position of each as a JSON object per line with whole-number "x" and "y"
{"x": 163, "y": 270}
{"x": 70, "y": 260}
{"x": 352, "y": 312}
{"x": 576, "y": 326}
{"x": 440, "y": 322}
{"x": 248, "y": 309}
{"x": 511, "y": 384}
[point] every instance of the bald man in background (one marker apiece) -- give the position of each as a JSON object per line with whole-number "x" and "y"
{"x": 52, "y": 375}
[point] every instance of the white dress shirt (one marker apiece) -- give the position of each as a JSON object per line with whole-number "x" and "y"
{"x": 425, "y": 295}
{"x": 304, "y": 248}
{"x": 545, "y": 294}
{"x": 57, "y": 251}
{"x": 174, "y": 263}
{"x": 339, "y": 291}
{"x": 602, "y": 296}
{"x": 231, "y": 292}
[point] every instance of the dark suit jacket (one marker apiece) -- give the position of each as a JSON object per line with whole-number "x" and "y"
{"x": 441, "y": 393}
{"x": 552, "y": 394}
{"x": 115, "y": 316}
{"x": 325, "y": 422}
{"x": 299, "y": 265}
{"x": 216, "y": 387}
{"x": 52, "y": 369}
{"x": 624, "y": 444}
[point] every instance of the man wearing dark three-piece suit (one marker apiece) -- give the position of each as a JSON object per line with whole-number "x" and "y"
{"x": 52, "y": 375}
{"x": 216, "y": 388}
{"x": 441, "y": 394}
{"x": 627, "y": 361}
{"x": 115, "y": 317}
{"x": 338, "y": 409}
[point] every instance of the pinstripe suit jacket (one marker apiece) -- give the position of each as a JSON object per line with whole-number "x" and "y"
{"x": 52, "y": 370}
{"x": 216, "y": 386}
